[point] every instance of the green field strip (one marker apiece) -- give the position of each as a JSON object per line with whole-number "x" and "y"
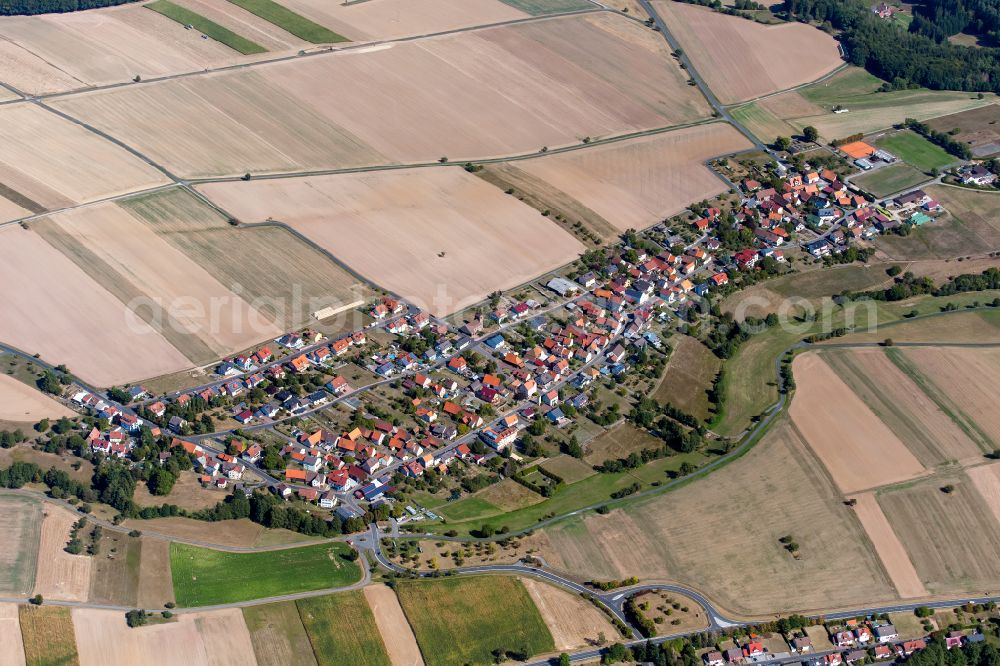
{"x": 223, "y": 35}
{"x": 290, "y": 22}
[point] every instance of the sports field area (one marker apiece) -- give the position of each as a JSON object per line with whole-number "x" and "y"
{"x": 890, "y": 179}
{"x": 204, "y": 577}
{"x": 916, "y": 150}
{"x": 441, "y": 610}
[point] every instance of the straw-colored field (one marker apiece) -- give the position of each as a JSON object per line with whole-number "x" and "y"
{"x": 282, "y": 276}
{"x": 23, "y": 404}
{"x": 241, "y": 533}
{"x": 858, "y": 449}
{"x": 61, "y": 575}
{"x": 155, "y": 582}
{"x": 277, "y": 635}
{"x": 115, "y": 572}
{"x": 721, "y": 535}
{"x": 635, "y": 184}
{"x": 963, "y": 381}
{"x": 440, "y": 237}
{"x": 163, "y": 287}
{"x": 573, "y": 622}
{"x": 53, "y": 308}
{"x": 890, "y": 551}
{"x": 11, "y": 644}
{"x": 742, "y": 59}
{"x": 41, "y": 160}
{"x": 496, "y": 91}
{"x": 392, "y": 19}
{"x": 951, "y": 537}
{"x": 21, "y": 524}
{"x": 397, "y": 636}
{"x": 217, "y": 638}
{"x": 986, "y": 480}
{"x": 75, "y": 50}
{"x": 932, "y": 436}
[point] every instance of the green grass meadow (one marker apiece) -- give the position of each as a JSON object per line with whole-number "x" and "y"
{"x": 204, "y": 577}
{"x": 290, "y": 22}
{"x": 916, "y": 150}
{"x": 342, "y": 630}
{"x": 462, "y": 620}
{"x": 207, "y": 27}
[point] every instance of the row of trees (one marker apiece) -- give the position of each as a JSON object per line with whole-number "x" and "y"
{"x": 32, "y": 7}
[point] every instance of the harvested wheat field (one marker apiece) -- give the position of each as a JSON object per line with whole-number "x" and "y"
{"x": 282, "y": 276}
{"x": 441, "y": 238}
{"x": 81, "y": 49}
{"x": 163, "y": 287}
{"x": 986, "y": 480}
{"x": 155, "y": 584}
{"x": 637, "y": 183}
{"x": 11, "y": 643}
{"x": 22, "y": 404}
{"x": 51, "y": 174}
{"x": 400, "y": 643}
{"x": 215, "y": 638}
{"x": 392, "y": 19}
{"x": 951, "y": 538}
{"x": 890, "y": 551}
{"x": 963, "y": 381}
{"x": 721, "y": 536}
{"x": 61, "y": 575}
{"x": 54, "y": 309}
{"x": 901, "y": 404}
{"x": 20, "y": 523}
{"x": 497, "y": 91}
{"x": 742, "y": 59}
{"x": 858, "y": 449}
{"x": 572, "y": 621}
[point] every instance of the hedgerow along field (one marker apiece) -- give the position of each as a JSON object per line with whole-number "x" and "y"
{"x": 289, "y": 21}
{"x": 204, "y": 577}
{"x": 335, "y": 641}
{"x": 221, "y": 34}
{"x": 487, "y": 612}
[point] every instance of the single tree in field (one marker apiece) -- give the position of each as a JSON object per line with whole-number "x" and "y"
{"x": 810, "y": 133}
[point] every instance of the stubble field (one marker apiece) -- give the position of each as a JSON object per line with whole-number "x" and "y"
{"x": 20, "y": 403}
{"x": 195, "y": 312}
{"x": 573, "y": 622}
{"x": 217, "y": 638}
{"x": 495, "y": 91}
{"x": 890, "y": 550}
{"x": 58, "y": 52}
{"x": 860, "y": 451}
{"x": 397, "y": 636}
{"x": 441, "y": 238}
{"x": 721, "y": 536}
{"x": 277, "y": 635}
{"x": 635, "y": 183}
{"x": 901, "y": 404}
{"x": 11, "y": 643}
{"x": 742, "y": 59}
{"x": 61, "y": 575}
{"x": 41, "y": 166}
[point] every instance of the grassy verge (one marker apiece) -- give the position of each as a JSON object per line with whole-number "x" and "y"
{"x": 290, "y": 22}
{"x": 47, "y": 632}
{"x": 203, "y": 576}
{"x": 462, "y": 620}
{"x": 207, "y": 27}
{"x": 342, "y": 630}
